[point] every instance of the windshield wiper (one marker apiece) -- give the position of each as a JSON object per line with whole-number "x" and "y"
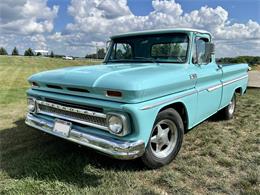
{"x": 120, "y": 60}
{"x": 146, "y": 59}
{"x": 135, "y": 59}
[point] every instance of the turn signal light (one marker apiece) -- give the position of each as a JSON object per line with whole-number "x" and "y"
{"x": 114, "y": 94}
{"x": 34, "y": 84}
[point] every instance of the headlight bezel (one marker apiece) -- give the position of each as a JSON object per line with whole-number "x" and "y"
{"x": 124, "y": 120}
{"x": 31, "y": 101}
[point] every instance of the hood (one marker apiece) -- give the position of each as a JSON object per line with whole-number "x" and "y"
{"x": 137, "y": 82}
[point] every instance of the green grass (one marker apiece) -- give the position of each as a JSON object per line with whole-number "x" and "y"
{"x": 217, "y": 157}
{"x": 256, "y": 67}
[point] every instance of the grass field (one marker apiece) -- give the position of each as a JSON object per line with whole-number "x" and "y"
{"x": 218, "y": 157}
{"x": 256, "y": 67}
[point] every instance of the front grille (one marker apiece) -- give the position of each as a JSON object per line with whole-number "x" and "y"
{"x": 81, "y": 116}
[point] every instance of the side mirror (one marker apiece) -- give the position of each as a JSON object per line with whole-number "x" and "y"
{"x": 210, "y": 50}
{"x": 194, "y": 60}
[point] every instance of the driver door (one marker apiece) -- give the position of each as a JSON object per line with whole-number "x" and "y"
{"x": 208, "y": 76}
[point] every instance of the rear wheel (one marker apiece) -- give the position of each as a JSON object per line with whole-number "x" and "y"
{"x": 228, "y": 112}
{"x": 165, "y": 140}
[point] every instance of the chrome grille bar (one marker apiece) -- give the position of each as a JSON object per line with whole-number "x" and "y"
{"x": 85, "y": 117}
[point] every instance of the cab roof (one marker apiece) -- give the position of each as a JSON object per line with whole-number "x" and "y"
{"x": 160, "y": 31}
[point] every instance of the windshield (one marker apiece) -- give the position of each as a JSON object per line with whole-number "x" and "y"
{"x": 153, "y": 48}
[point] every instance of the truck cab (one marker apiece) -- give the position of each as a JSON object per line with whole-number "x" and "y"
{"x": 151, "y": 87}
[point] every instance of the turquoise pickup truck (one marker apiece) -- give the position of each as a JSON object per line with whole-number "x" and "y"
{"x": 151, "y": 87}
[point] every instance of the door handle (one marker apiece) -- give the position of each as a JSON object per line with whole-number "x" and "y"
{"x": 193, "y": 76}
{"x": 219, "y": 67}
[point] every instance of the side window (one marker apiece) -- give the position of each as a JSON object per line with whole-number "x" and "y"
{"x": 199, "y": 55}
{"x": 122, "y": 51}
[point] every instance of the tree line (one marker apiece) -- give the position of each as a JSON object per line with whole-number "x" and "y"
{"x": 4, "y": 52}
{"x": 27, "y": 52}
{"x": 251, "y": 60}
{"x": 100, "y": 54}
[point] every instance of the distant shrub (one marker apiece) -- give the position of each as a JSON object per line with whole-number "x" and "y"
{"x": 15, "y": 52}
{"x": 101, "y": 53}
{"x": 28, "y": 52}
{"x": 52, "y": 54}
{"x": 3, "y": 51}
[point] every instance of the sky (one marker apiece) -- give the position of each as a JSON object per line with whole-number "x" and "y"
{"x": 76, "y": 27}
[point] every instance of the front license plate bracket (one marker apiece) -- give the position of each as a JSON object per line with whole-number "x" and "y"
{"x": 62, "y": 127}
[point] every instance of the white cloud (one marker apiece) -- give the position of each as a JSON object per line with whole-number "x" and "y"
{"x": 95, "y": 20}
{"x": 57, "y": 36}
{"x": 26, "y": 17}
{"x": 39, "y": 41}
{"x": 167, "y": 7}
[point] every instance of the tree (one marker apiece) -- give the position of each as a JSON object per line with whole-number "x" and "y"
{"x": 3, "y": 51}
{"x": 39, "y": 54}
{"x": 251, "y": 60}
{"x": 15, "y": 52}
{"x": 28, "y": 52}
{"x": 52, "y": 54}
{"x": 91, "y": 56}
{"x": 101, "y": 53}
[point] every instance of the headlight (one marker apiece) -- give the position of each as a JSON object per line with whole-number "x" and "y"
{"x": 118, "y": 123}
{"x": 31, "y": 104}
{"x": 115, "y": 124}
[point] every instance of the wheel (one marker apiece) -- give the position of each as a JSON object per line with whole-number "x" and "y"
{"x": 165, "y": 140}
{"x": 227, "y": 113}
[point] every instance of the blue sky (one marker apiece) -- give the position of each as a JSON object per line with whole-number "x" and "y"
{"x": 75, "y": 27}
{"x": 239, "y": 10}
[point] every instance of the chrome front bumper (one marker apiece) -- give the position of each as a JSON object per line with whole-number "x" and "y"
{"x": 107, "y": 145}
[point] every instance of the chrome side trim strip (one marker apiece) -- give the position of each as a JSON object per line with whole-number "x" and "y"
{"x": 168, "y": 100}
{"x": 107, "y": 145}
{"x": 214, "y": 87}
{"x": 234, "y": 80}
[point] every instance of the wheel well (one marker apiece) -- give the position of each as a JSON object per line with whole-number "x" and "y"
{"x": 239, "y": 90}
{"x": 181, "y": 109}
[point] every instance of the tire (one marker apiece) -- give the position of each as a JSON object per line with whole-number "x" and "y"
{"x": 165, "y": 139}
{"x": 227, "y": 113}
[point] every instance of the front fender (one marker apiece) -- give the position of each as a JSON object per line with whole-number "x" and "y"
{"x": 144, "y": 114}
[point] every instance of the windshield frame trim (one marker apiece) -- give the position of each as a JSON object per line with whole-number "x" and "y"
{"x": 106, "y": 60}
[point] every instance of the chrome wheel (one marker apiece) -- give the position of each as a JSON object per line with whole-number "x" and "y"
{"x": 231, "y": 106}
{"x": 164, "y": 138}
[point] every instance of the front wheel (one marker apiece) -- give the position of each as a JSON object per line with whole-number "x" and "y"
{"x": 165, "y": 140}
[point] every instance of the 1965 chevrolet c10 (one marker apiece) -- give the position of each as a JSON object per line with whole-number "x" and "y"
{"x": 150, "y": 89}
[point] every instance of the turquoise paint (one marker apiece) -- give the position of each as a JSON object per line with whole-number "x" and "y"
{"x": 138, "y": 82}
{"x": 162, "y": 31}
{"x": 145, "y": 85}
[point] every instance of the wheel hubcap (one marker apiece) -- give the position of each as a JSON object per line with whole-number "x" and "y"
{"x": 231, "y": 106}
{"x": 164, "y": 138}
